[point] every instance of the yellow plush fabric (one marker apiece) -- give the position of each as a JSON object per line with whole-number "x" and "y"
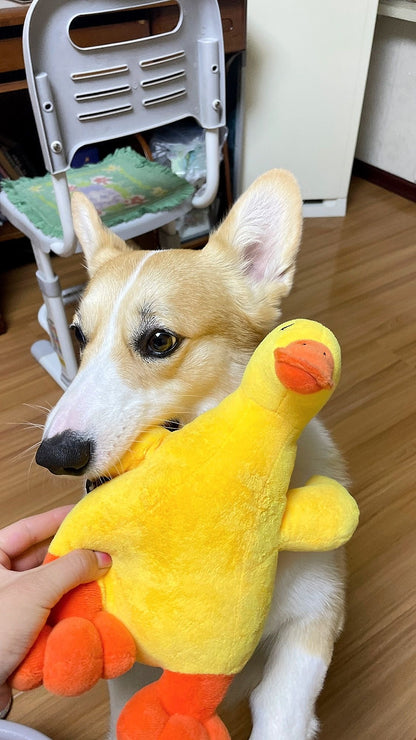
{"x": 195, "y": 523}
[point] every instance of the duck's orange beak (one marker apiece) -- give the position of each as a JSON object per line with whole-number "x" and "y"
{"x": 305, "y": 366}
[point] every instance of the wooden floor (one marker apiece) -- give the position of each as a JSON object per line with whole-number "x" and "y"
{"x": 358, "y": 275}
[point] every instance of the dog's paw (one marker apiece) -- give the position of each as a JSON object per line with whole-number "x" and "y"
{"x": 313, "y": 729}
{"x": 273, "y": 730}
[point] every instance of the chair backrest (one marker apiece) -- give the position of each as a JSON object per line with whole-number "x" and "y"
{"x": 86, "y": 95}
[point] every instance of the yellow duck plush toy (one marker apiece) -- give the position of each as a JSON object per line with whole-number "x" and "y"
{"x": 194, "y": 525}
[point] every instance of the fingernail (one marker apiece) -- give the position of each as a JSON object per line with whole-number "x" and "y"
{"x": 103, "y": 558}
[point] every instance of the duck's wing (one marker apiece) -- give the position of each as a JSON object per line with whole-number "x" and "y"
{"x": 319, "y": 516}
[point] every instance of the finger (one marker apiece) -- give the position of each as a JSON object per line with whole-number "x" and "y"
{"x": 32, "y": 557}
{"x": 56, "y": 578}
{"x": 20, "y": 536}
{"x": 5, "y": 700}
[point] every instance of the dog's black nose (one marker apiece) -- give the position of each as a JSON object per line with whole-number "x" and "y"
{"x": 66, "y": 453}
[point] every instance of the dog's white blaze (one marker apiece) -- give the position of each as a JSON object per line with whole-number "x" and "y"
{"x": 114, "y": 322}
{"x": 99, "y": 404}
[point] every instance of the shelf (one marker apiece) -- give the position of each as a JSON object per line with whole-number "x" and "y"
{"x": 403, "y": 9}
{"x": 12, "y": 13}
{"x": 13, "y": 86}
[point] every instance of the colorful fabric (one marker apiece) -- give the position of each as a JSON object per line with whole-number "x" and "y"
{"x": 122, "y": 187}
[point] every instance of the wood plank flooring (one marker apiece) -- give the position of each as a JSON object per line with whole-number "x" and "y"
{"x": 358, "y": 275}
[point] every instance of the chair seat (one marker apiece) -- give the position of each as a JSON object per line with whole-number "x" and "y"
{"x": 123, "y": 187}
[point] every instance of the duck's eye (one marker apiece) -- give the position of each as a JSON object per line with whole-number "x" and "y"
{"x": 79, "y": 335}
{"x": 160, "y": 343}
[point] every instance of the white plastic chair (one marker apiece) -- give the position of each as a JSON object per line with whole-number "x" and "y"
{"x": 82, "y": 96}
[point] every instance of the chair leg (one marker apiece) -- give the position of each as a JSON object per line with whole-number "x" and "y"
{"x": 169, "y": 237}
{"x": 57, "y": 356}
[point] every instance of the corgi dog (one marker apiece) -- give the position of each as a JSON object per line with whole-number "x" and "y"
{"x": 164, "y": 336}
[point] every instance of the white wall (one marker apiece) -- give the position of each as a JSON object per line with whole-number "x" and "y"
{"x": 387, "y": 136}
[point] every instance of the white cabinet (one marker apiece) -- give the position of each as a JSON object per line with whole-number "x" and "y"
{"x": 386, "y": 139}
{"x": 304, "y": 83}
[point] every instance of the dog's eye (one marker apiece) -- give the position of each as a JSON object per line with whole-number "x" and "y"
{"x": 161, "y": 343}
{"x": 157, "y": 343}
{"x": 79, "y": 335}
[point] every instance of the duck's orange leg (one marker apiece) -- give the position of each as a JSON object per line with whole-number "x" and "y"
{"x": 177, "y": 707}
{"x": 80, "y": 644}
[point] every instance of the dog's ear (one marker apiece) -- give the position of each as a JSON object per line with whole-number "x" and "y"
{"x": 263, "y": 229}
{"x": 98, "y": 243}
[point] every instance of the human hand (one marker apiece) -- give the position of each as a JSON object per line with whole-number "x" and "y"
{"x": 29, "y": 590}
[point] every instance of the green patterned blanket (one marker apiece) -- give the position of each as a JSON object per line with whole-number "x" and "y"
{"x": 123, "y": 186}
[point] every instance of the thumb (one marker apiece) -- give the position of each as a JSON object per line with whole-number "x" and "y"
{"x": 56, "y": 578}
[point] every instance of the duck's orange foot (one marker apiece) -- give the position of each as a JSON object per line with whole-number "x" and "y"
{"x": 29, "y": 674}
{"x": 73, "y": 655}
{"x": 119, "y": 648}
{"x": 177, "y": 707}
{"x": 80, "y": 644}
